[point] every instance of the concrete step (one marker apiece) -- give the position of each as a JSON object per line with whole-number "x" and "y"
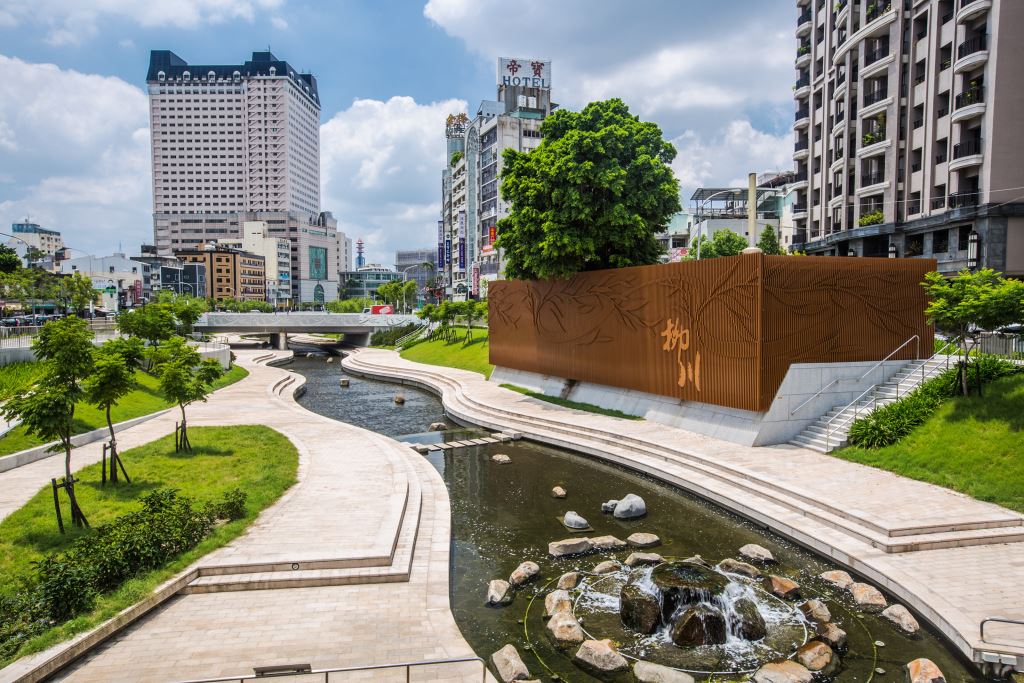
{"x": 836, "y": 441}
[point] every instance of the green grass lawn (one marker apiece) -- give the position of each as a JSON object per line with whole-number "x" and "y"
{"x": 566, "y": 403}
{"x": 473, "y": 356}
{"x": 17, "y": 376}
{"x": 144, "y": 400}
{"x": 254, "y": 458}
{"x": 972, "y": 445}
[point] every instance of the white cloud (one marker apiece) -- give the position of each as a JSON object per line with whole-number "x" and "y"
{"x": 126, "y": 43}
{"x": 380, "y": 164}
{"x": 72, "y": 22}
{"x": 81, "y": 161}
{"x": 279, "y": 23}
{"x": 726, "y": 157}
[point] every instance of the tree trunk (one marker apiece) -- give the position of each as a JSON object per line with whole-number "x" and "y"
{"x": 185, "y": 445}
{"x": 963, "y": 364}
{"x": 113, "y": 449}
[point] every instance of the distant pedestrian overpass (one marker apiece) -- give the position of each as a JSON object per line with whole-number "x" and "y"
{"x": 357, "y": 327}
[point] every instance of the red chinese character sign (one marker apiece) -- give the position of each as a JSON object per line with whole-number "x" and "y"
{"x": 526, "y": 73}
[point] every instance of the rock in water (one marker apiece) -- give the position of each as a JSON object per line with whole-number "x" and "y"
{"x": 818, "y": 658}
{"x": 638, "y": 559}
{"x": 924, "y": 671}
{"x": 832, "y": 635}
{"x": 609, "y": 506}
{"x": 731, "y": 566}
{"x": 867, "y": 597}
{"x": 751, "y": 624}
{"x": 568, "y": 581}
{"x": 558, "y": 492}
{"x": 686, "y": 583}
{"x": 437, "y": 427}
{"x": 642, "y": 540}
{"x": 501, "y": 459}
{"x": 630, "y": 507}
{"x": 399, "y": 399}
{"x": 565, "y": 629}
{"x": 647, "y": 672}
{"x": 509, "y": 664}
{"x": 569, "y": 546}
{"x": 639, "y": 610}
{"x": 838, "y": 578}
{"x": 607, "y": 567}
{"x": 600, "y": 658}
{"x": 787, "y": 671}
{"x": 574, "y": 521}
{"x": 343, "y": 382}
{"x": 901, "y": 617}
{"x": 697, "y": 559}
{"x": 525, "y": 572}
{"x": 756, "y": 553}
{"x": 557, "y": 601}
{"x": 699, "y": 625}
{"x": 498, "y": 592}
{"x": 607, "y": 543}
{"x": 781, "y": 586}
{"x": 816, "y": 611}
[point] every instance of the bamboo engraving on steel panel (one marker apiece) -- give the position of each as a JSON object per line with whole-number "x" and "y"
{"x": 720, "y": 331}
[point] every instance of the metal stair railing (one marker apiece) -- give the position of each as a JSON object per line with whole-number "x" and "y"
{"x": 855, "y": 403}
{"x": 295, "y": 671}
{"x": 837, "y": 380}
{"x": 411, "y": 335}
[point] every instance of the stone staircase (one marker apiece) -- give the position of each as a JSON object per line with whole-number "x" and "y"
{"x": 831, "y": 430}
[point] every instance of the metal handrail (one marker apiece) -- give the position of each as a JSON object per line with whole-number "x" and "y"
{"x": 1001, "y": 620}
{"x": 305, "y": 670}
{"x": 917, "y": 354}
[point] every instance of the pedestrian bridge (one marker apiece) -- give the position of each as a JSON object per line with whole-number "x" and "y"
{"x": 357, "y": 327}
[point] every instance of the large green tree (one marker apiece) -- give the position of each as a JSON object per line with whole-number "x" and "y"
{"x": 9, "y": 260}
{"x": 965, "y": 305}
{"x": 593, "y": 195}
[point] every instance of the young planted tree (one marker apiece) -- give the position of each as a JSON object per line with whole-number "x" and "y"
{"x": 47, "y": 408}
{"x": 113, "y": 378}
{"x": 184, "y": 379}
{"x": 409, "y": 290}
{"x": 153, "y": 324}
{"x": 722, "y": 243}
{"x": 593, "y": 195}
{"x": 970, "y": 303}
{"x": 768, "y": 242}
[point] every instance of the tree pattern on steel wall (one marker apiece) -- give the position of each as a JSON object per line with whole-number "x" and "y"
{"x": 803, "y": 300}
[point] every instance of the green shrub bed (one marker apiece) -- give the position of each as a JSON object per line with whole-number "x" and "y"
{"x": 390, "y": 336}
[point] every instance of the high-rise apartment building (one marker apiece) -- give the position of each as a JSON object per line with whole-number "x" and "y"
{"x": 471, "y": 202}
{"x": 908, "y": 141}
{"x": 236, "y": 143}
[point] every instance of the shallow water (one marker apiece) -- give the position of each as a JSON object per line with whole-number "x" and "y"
{"x": 504, "y": 514}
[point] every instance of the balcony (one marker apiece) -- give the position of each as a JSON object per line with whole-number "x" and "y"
{"x": 876, "y": 9}
{"x": 872, "y": 178}
{"x": 970, "y": 97}
{"x": 872, "y": 138}
{"x": 971, "y": 53}
{"x": 959, "y": 200}
{"x": 876, "y": 95}
{"x": 969, "y": 9}
{"x": 799, "y": 210}
{"x": 967, "y": 148}
{"x": 938, "y": 203}
{"x": 803, "y": 23}
{"x": 913, "y": 207}
{"x": 802, "y": 117}
{"x": 873, "y": 56}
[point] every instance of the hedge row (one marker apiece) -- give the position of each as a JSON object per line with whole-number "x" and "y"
{"x": 67, "y": 583}
{"x": 888, "y": 424}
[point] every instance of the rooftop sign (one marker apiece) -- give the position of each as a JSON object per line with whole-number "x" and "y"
{"x": 526, "y": 73}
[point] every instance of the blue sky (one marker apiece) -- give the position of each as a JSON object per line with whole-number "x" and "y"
{"x": 74, "y": 125}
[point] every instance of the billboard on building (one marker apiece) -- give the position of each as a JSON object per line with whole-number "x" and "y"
{"x": 475, "y": 281}
{"x": 317, "y": 263}
{"x": 527, "y": 73}
{"x": 462, "y": 240}
{"x": 448, "y": 251}
{"x": 440, "y": 243}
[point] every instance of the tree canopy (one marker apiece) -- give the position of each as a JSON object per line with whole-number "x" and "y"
{"x": 593, "y": 195}
{"x": 184, "y": 378}
{"x": 768, "y": 242}
{"x": 722, "y": 243}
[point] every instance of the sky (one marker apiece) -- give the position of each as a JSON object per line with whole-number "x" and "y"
{"x": 74, "y": 123}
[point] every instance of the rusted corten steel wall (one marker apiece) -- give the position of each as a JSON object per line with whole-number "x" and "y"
{"x": 721, "y": 331}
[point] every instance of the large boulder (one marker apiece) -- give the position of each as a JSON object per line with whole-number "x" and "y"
{"x": 817, "y": 657}
{"x": 837, "y": 578}
{"x": 731, "y": 566}
{"x": 648, "y": 672}
{"x": 600, "y": 658}
{"x": 607, "y": 567}
{"x": 699, "y": 625}
{"x": 756, "y": 553}
{"x": 901, "y": 617}
{"x": 816, "y": 611}
{"x": 781, "y": 586}
{"x": 867, "y": 597}
{"x": 575, "y": 521}
{"x": 509, "y": 664}
{"x": 568, "y": 581}
{"x": 609, "y": 506}
{"x": 686, "y": 583}
{"x": 557, "y": 601}
{"x": 637, "y": 559}
{"x": 831, "y": 635}
{"x": 607, "y": 543}
{"x": 639, "y": 609}
{"x": 499, "y": 592}
{"x": 751, "y": 624}
{"x": 569, "y": 546}
{"x": 786, "y": 671}
{"x": 524, "y": 573}
{"x": 630, "y": 507}
{"x": 565, "y": 630}
{"x": 923, "y": 671}
{"x": 643, "y": 540}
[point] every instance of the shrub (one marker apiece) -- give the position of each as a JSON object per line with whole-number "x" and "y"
{"x": 390, "y": 336}
{"x": 873, "y": 218}
{"x": 232, "y": 505}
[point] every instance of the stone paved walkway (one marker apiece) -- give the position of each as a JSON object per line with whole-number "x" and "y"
{"x": 365, "y": 510}
{"x": 951, "y": 558}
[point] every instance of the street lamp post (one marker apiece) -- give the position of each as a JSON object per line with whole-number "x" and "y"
{"x": 973, "y": 247}
{"x": 28, "y": 246}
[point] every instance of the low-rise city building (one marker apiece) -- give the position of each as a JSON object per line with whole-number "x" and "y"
{"x": 277, "y": 259}
{"x": 122, "y": 282}
{"x": 364, "y": 281}
{"x": 230, "y": 273}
